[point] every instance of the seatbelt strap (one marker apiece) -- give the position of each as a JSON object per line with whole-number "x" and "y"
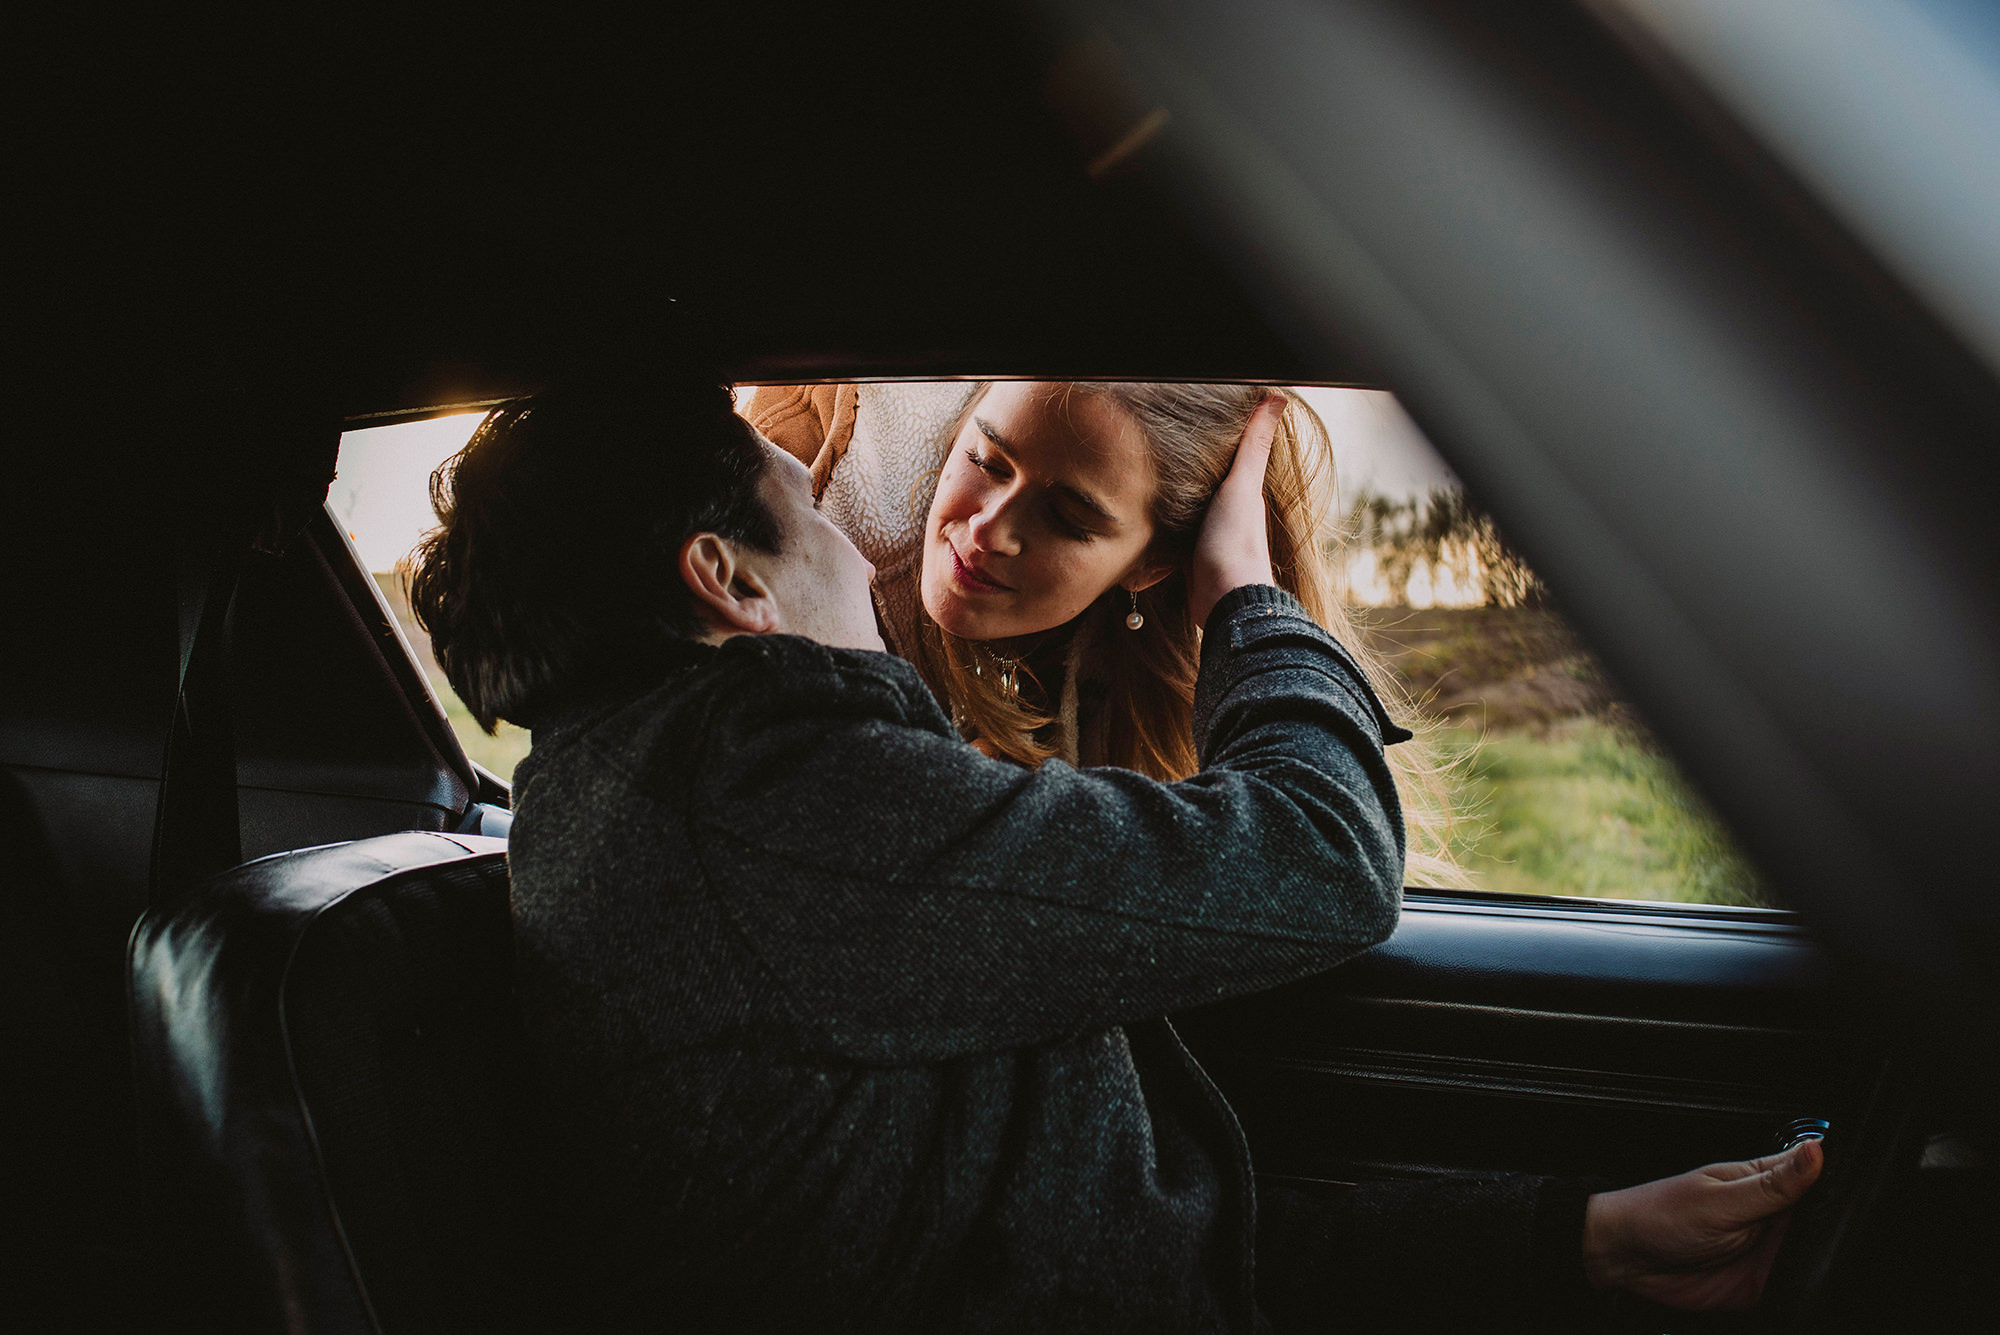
{"x": 263, "y": 505}
{"x": 196, "y": 830}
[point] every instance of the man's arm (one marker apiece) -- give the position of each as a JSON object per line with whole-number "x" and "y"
{"x": 915, "y": 899}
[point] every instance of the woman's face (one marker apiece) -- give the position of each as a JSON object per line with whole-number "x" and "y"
{"x": 1042, "y": 506}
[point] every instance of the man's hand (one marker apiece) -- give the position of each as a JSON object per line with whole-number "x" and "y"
{"x": 1705, "y": 1239}
{"x": 1234, "y": 547}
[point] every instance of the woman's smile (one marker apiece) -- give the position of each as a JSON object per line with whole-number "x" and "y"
{"x": 971, "y": 577}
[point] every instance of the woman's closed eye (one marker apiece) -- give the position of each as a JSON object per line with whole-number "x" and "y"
{"x": 984, "y": 464}
{"x": 995, "y": 468}
{"x": 1070, "y": 528}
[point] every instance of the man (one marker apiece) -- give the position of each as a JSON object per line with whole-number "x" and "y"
{"x": 844, "y": 1025}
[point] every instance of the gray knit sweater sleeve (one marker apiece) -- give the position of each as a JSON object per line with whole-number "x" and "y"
{"x": 913, "y": 900}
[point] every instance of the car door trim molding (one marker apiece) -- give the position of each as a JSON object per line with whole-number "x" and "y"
{"x": 1508, "y": 1079}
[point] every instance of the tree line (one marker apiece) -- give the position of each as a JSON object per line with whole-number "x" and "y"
{"x": 1444, "y": 531}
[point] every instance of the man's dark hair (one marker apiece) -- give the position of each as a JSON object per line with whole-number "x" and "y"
{"x": 554, "y": 574}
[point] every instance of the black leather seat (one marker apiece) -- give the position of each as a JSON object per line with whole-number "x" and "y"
{"x": 331, "y": 1096}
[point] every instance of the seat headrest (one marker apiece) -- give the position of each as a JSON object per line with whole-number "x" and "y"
{"x": 331, "y": 1093}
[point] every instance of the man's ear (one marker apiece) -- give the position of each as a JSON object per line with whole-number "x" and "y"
{"x": 731, "y": 598}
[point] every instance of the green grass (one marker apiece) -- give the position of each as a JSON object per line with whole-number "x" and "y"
{"x": 1586, "y": 807}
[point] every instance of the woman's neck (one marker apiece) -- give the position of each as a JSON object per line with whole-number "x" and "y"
{"x": 1041, "y": 655}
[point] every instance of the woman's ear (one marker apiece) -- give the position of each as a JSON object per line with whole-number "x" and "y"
{"x": 1143, "y": 577}
{"x": 728, "y": 597}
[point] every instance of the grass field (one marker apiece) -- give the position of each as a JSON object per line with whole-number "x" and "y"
{"x": 1588, "y": 807}
{"x": 1561, "y": 790}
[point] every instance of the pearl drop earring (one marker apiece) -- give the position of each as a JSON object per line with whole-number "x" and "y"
{"x": 1137, "y": 618}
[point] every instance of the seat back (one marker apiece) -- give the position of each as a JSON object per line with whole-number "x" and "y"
{"x": 331, "y": 1092}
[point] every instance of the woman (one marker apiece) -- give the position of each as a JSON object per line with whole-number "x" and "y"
{"x": 1031, "y": 541}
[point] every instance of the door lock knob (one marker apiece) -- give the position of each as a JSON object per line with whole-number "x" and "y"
{"x": 1801, "y": 1129}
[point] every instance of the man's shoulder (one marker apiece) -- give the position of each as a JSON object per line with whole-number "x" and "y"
{"x": 791, "y": 670}
{"x": 748, "y": 683}
{"x": 760, "y": 679}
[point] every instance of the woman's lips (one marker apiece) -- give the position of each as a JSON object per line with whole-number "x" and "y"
{"x": 971, "y": 578}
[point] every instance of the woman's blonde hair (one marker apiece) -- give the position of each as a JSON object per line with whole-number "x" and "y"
{"x": 1150, "y": 673}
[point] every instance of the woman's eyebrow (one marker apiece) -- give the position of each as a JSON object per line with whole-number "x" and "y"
{"x": 1081, "y": 497}
{"x": 1087, "y": 501}
{"x": 987, "y": 430}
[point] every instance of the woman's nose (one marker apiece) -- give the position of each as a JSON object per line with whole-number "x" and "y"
{"x": 992, "y": 529}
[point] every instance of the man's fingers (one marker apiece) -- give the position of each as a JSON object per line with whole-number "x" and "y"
{"x": 1233, "y": 547}
{"x": 1263, "y": 428}
{"x": 1798, "y": 1170}
{"x": 1253, "y": 453}
{"x": 1774, "y": 1182}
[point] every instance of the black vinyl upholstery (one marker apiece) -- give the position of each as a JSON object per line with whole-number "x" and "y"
{"x": 332, "y": 1107}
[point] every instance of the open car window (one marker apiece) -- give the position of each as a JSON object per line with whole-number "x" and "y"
{"x": 1553, "y": 783}
{"x": 380, "y": 498}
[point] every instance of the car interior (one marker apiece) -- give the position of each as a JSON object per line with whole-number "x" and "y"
{"x": 262, "y": 1072}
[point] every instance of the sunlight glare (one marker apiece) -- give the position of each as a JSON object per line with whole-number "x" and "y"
{"x": 381, "y": 488}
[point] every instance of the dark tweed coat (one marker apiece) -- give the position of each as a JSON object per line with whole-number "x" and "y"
{"x": 842, "y": 1025}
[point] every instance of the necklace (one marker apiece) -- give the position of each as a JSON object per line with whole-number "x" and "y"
{"x": 1006, "y": 670}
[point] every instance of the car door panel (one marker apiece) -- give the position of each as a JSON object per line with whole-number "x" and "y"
{"x": 1612, "y": 1041}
